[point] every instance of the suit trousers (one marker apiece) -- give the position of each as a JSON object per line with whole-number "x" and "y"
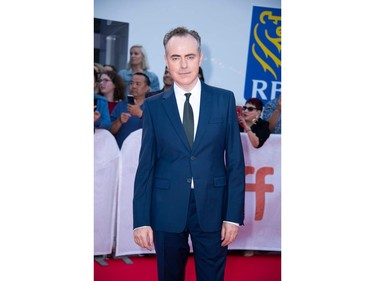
{"x": 172, "y": 251}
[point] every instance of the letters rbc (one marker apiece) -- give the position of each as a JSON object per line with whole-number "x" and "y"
{"x": 260, "y": 86}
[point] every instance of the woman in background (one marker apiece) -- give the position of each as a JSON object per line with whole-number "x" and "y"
{"x": 250, "y": 122}
{"x": 139, "y": 63}
{"x": 102, "y": 119}
{"x": 112, "y": 87}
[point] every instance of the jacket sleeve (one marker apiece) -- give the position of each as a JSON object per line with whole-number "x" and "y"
{"x": 235, "y": 165}
{"x": 145, "y": 170}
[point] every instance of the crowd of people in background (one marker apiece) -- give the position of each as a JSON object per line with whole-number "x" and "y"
{"x": 114, "y": 112}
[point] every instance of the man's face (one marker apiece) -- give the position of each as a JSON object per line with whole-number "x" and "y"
{"x": 138, "y": 86}
{"x": 183, "y": 60}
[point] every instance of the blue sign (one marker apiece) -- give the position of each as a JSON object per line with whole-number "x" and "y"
{"x": 263, "y": 74}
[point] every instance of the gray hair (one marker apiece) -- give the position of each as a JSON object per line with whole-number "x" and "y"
{"x": 182, "y": 31}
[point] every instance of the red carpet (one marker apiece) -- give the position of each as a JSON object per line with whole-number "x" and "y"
{"x": 260, "y": 267}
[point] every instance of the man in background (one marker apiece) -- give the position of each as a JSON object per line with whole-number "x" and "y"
{"x": 126, "y": 117}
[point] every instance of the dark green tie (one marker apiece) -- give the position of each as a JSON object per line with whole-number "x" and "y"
{"x": 188, "y": 120}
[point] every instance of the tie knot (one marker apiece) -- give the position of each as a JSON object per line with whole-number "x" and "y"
{"x": 187, "y": 95}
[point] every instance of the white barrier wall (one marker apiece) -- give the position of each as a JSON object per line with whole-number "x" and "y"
{"x": 125, "y": 244}
{"x": 262, "y": 229}
{"x": 262, "y": 226}
{"x": 106, "y": 167}
{"x": 115, "y": 170}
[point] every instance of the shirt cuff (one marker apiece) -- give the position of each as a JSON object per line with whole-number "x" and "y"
{"x": 141, "y": 227}
{"x": 233, "y": 223}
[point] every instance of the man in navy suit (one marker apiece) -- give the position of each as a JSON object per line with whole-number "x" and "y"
{"x": 184, "y": 189}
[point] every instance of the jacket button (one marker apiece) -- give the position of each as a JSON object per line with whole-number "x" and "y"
{"x": 189, "y": 180}
{"x": 193, "y": 158}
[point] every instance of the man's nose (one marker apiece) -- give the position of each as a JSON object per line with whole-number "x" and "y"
{"x": 183, "y": 63}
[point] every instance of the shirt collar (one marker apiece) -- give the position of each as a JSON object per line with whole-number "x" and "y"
{"x": 194, "y": 92}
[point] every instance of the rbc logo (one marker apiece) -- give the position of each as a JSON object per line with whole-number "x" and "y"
{"x": 263, "y": 74}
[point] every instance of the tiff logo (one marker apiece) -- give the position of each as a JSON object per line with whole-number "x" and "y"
{"x": 260, "y": 187}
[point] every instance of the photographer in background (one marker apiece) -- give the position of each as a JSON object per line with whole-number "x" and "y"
{"x": 126, "y": 117}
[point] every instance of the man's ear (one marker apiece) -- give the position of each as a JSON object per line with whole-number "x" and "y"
{"x": 200, "y": 59}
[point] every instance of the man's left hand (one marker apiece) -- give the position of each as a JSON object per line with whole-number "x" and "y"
{"x": 229, "y": 232}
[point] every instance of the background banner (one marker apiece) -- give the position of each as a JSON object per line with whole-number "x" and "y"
{"x": 263, "y": 74}
{"x": 262, "y": 226}
{"x": 262, "y": 229}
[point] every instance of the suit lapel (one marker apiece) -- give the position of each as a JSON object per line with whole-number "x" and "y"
{"x": 205, "y": 112}
{"x": 169, "y": 104}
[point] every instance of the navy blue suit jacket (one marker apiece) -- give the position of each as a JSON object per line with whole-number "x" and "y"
{"x": 167, "y": 164}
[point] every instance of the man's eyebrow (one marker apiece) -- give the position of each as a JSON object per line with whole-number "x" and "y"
{"x": 187, "y": 55}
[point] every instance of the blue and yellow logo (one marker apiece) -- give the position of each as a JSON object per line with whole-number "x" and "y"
{"x": 263, "y": 74}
